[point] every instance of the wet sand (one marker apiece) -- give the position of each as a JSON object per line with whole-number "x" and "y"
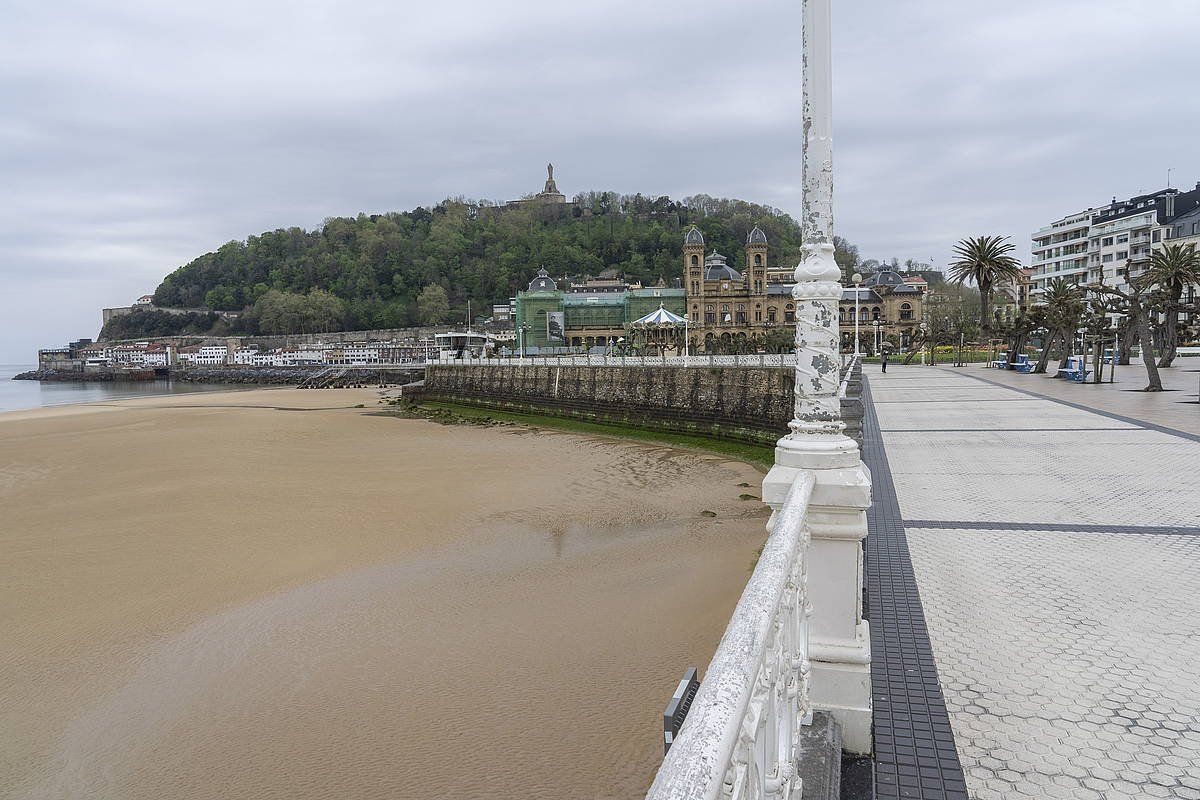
{"x": 272, "y": 594}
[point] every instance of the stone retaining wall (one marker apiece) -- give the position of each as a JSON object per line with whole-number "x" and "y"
{"x": 749, "y": 404}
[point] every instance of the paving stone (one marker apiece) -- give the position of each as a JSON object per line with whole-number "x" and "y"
{"x": 1066, "y": 656}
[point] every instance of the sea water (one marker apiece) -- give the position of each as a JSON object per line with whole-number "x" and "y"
{"x": 18, "y": 395}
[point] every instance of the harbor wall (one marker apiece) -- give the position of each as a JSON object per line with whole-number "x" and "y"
{"x": 748, "y": 404}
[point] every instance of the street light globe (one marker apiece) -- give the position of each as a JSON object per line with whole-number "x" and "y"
{"x": 856, "y": 277}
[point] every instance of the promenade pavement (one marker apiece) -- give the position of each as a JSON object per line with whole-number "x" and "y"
{"x": 1177, "y": 407}
{"x": 1056, "y": 552}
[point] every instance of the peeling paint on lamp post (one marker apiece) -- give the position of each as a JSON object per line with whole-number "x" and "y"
{"x": 817, "y": 424}
{"x": 817, "y": 444}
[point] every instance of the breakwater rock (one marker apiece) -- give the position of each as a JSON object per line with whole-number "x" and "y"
{"x": 105, "y": 376}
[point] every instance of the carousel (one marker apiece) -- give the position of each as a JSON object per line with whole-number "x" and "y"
{"x": 660, "y": 332}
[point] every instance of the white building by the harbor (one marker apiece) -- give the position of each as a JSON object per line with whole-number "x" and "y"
{"x": 157, "y": 356}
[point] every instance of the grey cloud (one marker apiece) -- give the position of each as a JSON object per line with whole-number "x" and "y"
{"x": 135, "y": 136}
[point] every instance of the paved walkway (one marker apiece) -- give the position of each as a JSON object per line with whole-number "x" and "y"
{"x": 1056, "y": 552}
{"x": 1176, "y": 408}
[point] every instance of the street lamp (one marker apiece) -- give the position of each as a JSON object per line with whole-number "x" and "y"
{"x": 924, "y": 328}
{"x": 878, "y": 344}
{"x": 856, "y": 278}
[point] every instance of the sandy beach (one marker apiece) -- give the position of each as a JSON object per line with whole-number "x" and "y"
{"x": 274, "y": 594}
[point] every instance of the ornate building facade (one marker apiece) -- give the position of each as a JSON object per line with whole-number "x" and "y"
{"x": 727, "y": 308}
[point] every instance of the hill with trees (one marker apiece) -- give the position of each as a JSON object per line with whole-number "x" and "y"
{"x": 422, "y": 266}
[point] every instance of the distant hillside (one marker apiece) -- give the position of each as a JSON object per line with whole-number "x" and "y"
{"x": 368, "y": 272}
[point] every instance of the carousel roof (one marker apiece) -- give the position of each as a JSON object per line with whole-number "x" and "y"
{"x": 659, "y": 318}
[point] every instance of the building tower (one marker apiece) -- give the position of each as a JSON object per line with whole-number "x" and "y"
{"x": 756, "y": 262}
{"x": 693, "y": 268}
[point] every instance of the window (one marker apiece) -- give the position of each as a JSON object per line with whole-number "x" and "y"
{"x": 695, "y": 260}
{"x": 1156, "y": 236}
{"x": 906, "y": 311}
{"x": 757, "y": 316}
{"x": 1108, "y": 240}
{"x": 875, "y": 313}
{"x": 758, "y": 259}
{"x": 1122, "y": 254}
{"x": 1196, "y": 227}
{"x": 789, "y": 316}
{"x": 771, "y": 315}
{"x": 1123, "y": 239}
{"x": 1108, "y": 258}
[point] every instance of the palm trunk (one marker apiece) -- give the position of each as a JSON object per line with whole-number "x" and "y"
{"x": 1068, "y": 344}
{"x": 1128, "y": 334}
{"x": 1142, "y": 316}
{"x": 1098, "y": 360}
{"x": 1171, "y": 326}
{"x": 985, "y": 305}
{"x": 1044, "y": 360}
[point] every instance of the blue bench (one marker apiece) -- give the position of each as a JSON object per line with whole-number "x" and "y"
{"x": 1076, "y": 370}
{"x": 1022, "y": 364}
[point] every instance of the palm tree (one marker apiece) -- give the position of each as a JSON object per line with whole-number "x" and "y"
{"x": 1063, "y": 307}
{"x": 1172, "y": 268}
{"x": 1135, "y": 303}
{"x": 985, "y": 261}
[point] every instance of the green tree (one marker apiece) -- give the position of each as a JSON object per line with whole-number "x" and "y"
{"x": 1171, "y": 269}
{"x": 1135, "y": 302}
{"x": 984, "y": 261}
{"x": 433, "y": 305}
{"x": 1061, "y": 309}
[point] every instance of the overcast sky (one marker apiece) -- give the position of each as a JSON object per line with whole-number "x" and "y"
{"x": 135, "y": 136}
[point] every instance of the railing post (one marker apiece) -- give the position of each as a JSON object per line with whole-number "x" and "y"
{"x": 839, "y": 641}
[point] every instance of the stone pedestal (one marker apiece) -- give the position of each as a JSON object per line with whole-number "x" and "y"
{"x": 839, "y": 638}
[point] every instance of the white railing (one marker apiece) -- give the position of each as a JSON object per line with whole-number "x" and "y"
{"x": 739, "y": 740}
{"x": 585, "y": 359}
{"x": 849, "y": 373}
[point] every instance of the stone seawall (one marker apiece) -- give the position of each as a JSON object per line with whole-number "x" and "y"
{"x": 749, "y": 404}
{"x": 740, "y": 403}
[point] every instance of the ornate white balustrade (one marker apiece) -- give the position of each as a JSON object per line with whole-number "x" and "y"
{"x": 740, "y": 737}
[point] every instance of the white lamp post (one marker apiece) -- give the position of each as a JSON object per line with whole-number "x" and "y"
{"x": 856, "y": 279}
{"x": 817, "y": 445}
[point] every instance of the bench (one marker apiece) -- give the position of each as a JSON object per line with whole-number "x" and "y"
{"x": 1076, "y": 370}
{"x": 1022, "y": 363}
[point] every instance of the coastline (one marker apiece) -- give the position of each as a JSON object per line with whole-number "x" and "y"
{"x": 275, "y": 582}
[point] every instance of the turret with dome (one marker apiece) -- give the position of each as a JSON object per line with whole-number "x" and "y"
{"x": 731, "y": 304}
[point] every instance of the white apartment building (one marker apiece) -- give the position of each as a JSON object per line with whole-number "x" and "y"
{"x": 206, "y": 355}
{"x": 245, "y": 356}
{"x": 293, "y": 357}
{"x": 1110, "y": 243}
{"x": 157, "y": 356}
{"x": 1060, "y": 250}
{"x": 128, "y": 355}
{"x": 356, "y": 354}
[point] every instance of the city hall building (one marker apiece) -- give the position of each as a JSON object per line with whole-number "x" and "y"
{"x": 725, "y": 306}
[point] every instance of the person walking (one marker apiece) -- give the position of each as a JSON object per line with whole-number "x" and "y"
{"x": 884, "y": 358}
